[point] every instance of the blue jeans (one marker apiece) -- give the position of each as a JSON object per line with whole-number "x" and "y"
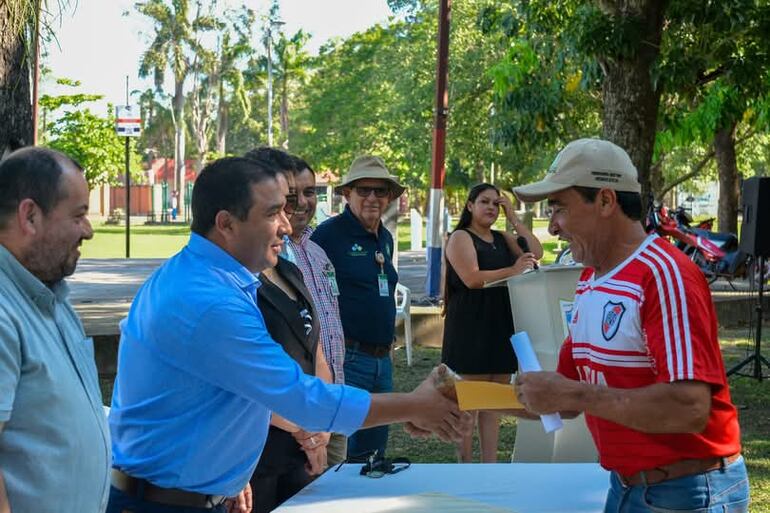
{"x": 724, "y": 490}
{"x": 375, "y": 375}
{"x": 121, "y": 502}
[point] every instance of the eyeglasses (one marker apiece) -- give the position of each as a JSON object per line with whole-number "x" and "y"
{"x": 375, "y": 467}
{"x": 379, "y": 192}
{"x": 291, "y": 204}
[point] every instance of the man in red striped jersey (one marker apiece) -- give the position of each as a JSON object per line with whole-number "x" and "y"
{"x": 642, "y": 359}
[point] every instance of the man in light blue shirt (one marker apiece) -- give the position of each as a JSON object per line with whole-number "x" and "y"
{"x": 198, "y": 374}
{"x": 54, "y": 441}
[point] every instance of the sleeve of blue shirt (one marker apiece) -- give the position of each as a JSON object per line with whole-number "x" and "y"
{"x": 232, "y": 349}
{"x": 10, "y": 371}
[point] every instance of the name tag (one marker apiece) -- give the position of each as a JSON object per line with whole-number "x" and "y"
{"x": 382, "y": 281}
{"x": 331, "y": 276}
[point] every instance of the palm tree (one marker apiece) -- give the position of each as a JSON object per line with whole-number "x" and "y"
{"x": 292, "y": 61}
{"x": 18, "y": 26}
{"x": 230, "y": 75}
{"x": 173, "y": 37}
{"x": 15, "y": 106}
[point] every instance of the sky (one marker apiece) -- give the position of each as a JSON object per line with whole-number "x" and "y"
{"x": 99, "y": 46}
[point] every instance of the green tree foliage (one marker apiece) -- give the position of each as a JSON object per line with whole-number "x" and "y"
{"x": 701, "y": 65}
{"x": 177, "y": 27}
{"x": 375, "y": 92}
{"x": 206, "y": 76}
{"x": 607, "y": 47}
{"x": 157, "y": 139}
{"x": 545, "y": 94}
{"x": 19, "y": 23}
{"x": 234, "y": 51}
{"x": 87, "y": 137}
{"x": 292, "y": 64}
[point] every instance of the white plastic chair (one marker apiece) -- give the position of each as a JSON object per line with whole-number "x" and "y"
{"x": 403, "y": 300}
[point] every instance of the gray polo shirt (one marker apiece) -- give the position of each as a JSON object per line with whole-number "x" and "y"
{"x": 54, "y": 445}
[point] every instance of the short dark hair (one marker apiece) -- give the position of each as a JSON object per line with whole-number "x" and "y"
{"x": 630, "y": 202}
{"x": 300, "y": 165}
{"x": 274, "y": 157}
{"x": 32, "y": 173}
{"x": 225, "y": 184}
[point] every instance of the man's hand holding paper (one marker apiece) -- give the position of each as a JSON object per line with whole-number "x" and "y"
{"x": 545, "y": 392}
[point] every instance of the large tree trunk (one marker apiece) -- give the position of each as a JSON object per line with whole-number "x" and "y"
{"x": 630, "y": 98}
{"x": 179, "y": 145}
{"x": 724, "y": 150}
{"x": 15, "y": 101}
{"x": 479, "y": 170}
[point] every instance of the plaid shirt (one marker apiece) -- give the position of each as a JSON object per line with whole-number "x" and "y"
{"x": 314, "y": 263}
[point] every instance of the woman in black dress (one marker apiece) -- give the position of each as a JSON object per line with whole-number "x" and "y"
{"x": 478, "y": 322}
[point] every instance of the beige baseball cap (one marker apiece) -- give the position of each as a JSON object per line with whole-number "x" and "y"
{"x": 369, "y": 166}
{"x": 585, "y": 163}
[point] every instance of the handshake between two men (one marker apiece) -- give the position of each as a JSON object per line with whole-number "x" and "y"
{"x": 431, "y": 408}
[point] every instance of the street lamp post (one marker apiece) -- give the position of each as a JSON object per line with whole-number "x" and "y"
{"x": 270, "y": 23}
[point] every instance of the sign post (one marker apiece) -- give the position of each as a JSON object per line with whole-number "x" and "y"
{"x": 128, "y": 123}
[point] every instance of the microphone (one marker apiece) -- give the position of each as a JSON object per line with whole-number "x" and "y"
{"x": 524, "y": 245}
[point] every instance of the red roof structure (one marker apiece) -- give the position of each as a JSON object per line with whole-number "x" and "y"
{"x": 163, "y": 170}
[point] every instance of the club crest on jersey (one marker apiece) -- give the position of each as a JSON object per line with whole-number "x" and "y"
{"x": 613, "y": 313}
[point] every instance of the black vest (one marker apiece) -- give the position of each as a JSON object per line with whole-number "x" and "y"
{"x": 298, "y": 335}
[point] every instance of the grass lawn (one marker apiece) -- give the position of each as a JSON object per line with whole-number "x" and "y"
{"x": 147, "y": 241}
{"x": 751, "y": 397}
{"x": 550, "y": 245}
{"x": 161, "y": 241}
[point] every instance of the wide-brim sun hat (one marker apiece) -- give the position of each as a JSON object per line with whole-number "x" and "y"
{"x": 369, "y": 166}
{"x": 594, "y": 163}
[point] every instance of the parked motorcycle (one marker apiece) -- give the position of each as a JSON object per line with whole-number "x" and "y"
{"x": 716, "y": 254}
{"x": 732, "y": 264}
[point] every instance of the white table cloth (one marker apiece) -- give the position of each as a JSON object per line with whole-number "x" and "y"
{"x": 517, "y": 487}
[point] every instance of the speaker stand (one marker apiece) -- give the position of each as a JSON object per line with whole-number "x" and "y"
{"x": 757, "y": 357}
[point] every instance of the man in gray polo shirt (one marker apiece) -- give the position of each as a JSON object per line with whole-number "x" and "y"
{"x": 54, "y": 440}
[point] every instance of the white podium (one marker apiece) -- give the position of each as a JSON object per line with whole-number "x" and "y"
{"x": 541, "y": 302}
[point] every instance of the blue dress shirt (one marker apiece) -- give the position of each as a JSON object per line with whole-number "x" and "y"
{"x": 54, "y": 444}
{"x": 198, "y": 377}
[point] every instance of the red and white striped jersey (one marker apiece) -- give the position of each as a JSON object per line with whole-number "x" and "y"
{"x": 650, "y": 320}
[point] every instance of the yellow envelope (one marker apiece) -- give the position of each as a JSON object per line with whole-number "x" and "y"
{"x": 484, "y": 395}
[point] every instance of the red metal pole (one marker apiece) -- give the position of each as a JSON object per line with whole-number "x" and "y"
{"x": 442, "y": 97}
{"x": 438, "y": 169}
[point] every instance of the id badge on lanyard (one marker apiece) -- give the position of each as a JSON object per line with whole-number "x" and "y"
{"x": 382, "y": 278}
{"x": 331, "y": 276}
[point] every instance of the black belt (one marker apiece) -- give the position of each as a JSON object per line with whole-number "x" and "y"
{"x": 145, "y": 490}
{"x": 376, "y": 350}
{"x": 678, "y": 469}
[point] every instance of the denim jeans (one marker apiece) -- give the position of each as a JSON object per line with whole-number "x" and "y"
{"x": 724, "y": 490}
{"x": 375, "y": 375}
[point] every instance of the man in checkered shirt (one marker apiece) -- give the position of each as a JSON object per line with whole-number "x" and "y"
{"x": 320, "y": 280}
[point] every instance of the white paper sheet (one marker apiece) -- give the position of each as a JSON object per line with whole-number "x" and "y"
{"x": 528, "y": 362}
